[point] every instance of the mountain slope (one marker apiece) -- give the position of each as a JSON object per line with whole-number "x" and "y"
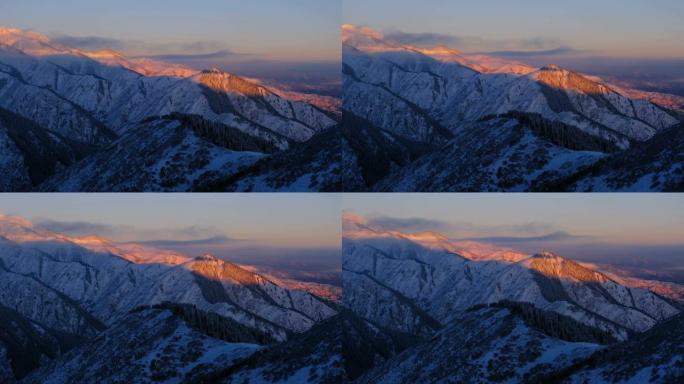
{"x": 313, "y": 357}
{"x": 313, "y": 165}
{"x": 414, "y": 286}
{"x": 655, "y": 165}
{"x": 370, "y": 153}
{"x": 337, "y": 350}
{"x": 655, "y": 356}
{"x": 148, "y": 345}
{"x": 30, "y": 153}
{"x": 25, "y": 344}
{"x": 173, "y": 153}
{"x": 490, "y": 344}
{"x": 498, "y": 154}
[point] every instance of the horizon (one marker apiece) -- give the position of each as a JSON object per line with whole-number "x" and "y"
{"x": 295, "y": 44}
{"x": 635, "y": 43}
{"x": 577, "y": 27}
{"x": 297, "y": 235}
{"x": 639, "y": 234}
{"x": 301, "y": 30}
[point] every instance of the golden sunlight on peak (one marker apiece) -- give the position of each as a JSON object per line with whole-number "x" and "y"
{"x": 91, "y": 239}
{"x": 350, "y": 30}
{"x": 103, "y": 53}
{"x": 221, "y": 81}
{"x": 15, "y": 220}
{"x": 439, "y": 50}
{"x": 13, "y": 35}
{"x": 552, "y": 265}
{"x": 353, "y": 218}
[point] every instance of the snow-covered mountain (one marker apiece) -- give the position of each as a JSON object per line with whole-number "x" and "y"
{"x": 655, "y": 356}
{"x": 81, "y": 285}
{"x": 510, "y": 343}
{"x": 159, "y": 344}
{"x": 100, "y": 98}
{"x": 25, "y": 344}
{"x": 313, "y": 165}
{"x": 657, "y": 164}
{"x": 171, "y": 153}
{"x": 416, "y": 282}
{"x": 98, "y": 298}
{"x": 313, "y": 357}
{"x": 543, "y": 124}
{"x": 482, "y": 313}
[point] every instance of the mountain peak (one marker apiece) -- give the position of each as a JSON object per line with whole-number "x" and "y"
{"x": 547, "y": 255}
{"x": 221, "y": 81}
{"x": 551, "y": 67}
{"x": 206, "y": 257}
{"x": 11, "y": 36}
{"x": 438, "y": 50}
{"x": 213, "y": 69}
{"x": 15, "y": 220}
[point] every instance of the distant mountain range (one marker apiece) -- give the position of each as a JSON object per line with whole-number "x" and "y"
{"x": 486, "y": 314}
{"x": 435, "y": 119}
{"x": 83, "y": 309}
{"x": 68, "y": 116}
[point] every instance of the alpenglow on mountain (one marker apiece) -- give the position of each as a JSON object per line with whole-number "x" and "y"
{"x": 462, "y": 311}
{"x": 86, "y": 309}
{"x": 436, "y": 119}
{"x": 76, "y": 120}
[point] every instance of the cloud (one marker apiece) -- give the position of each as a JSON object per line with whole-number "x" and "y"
{"x": 478, "y": 44}
{"x": 130, "y": 233}
{"x": 209, "y": 241}
{"x": 140, "y": 48}
{"x": 223, "y": 54}
{"x": 90, "y": 42}
{"x": 554, "y": 236}
{"x": 80, "y": 228}
{"x": 413, "y": 224}
{"x": 425, "y": 39}
{"x": 547, "y": 52}
{"x": 461, "y": 229}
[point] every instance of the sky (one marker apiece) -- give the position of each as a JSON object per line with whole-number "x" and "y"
{"x": 636, "y": 43}
{"x": 268, "y": 29}
{"x": 281, "y": 231}
{"x": 634, "y": 28}
{"x": 293, "y": 44}
{"x": 642, "y": 233}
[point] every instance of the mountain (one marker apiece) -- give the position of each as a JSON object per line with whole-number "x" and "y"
{"x": 30, "y": 154}
{"x": 476, "y": 312}
{"x": 155, "y": 344}
{"x": 544, "y": 124}
{"x": 654, "y": 356}
{"x": 336, "y": 350}
{"x": 83, "y": 285}
{"x": 313, "y": 357}
{"x": 415, "y": 283}
{"x": 500, "y": 154}
{"x": 498, "y": 343}
{"x": 103, "y": 100}
{"x": 171, "y": 153}
{"x": 657, "y": 164}
{"x": 82, "y": 309}
{"x": 312, "y": 165}
{"x": 25, "y": 344}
